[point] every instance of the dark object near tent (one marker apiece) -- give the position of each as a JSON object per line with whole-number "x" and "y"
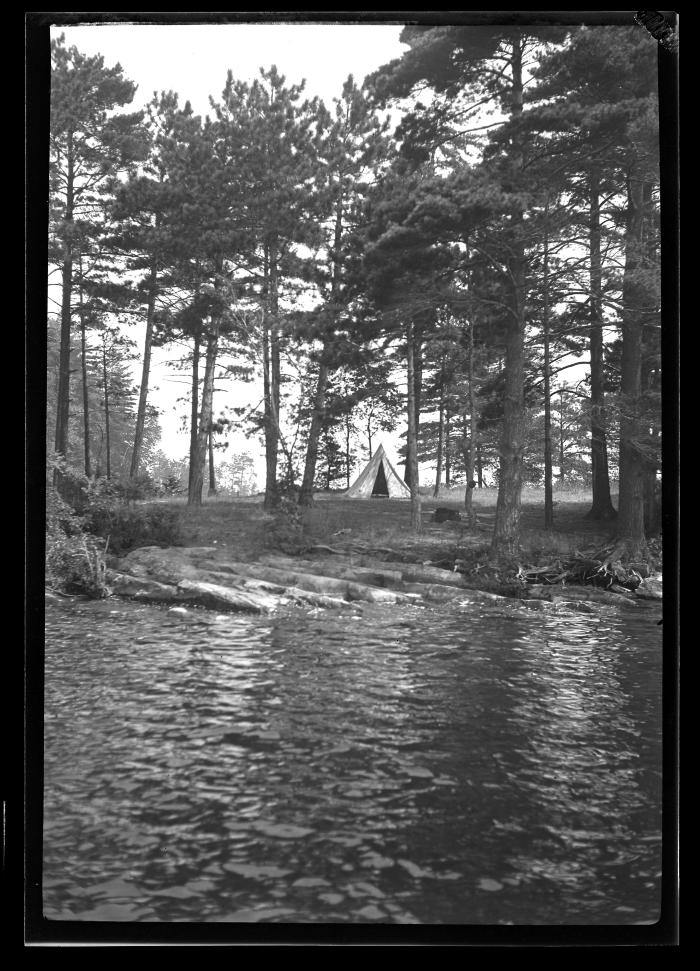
{"x": 379, "y": 479}
{"x": 442, "y": 514}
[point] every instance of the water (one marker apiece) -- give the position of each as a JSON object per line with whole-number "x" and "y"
{"x": 463, "y": 766}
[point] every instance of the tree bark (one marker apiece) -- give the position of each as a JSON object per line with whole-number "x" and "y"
{"x": 561, "y": 438}
{"x": 108, "y": 446}
{"x": 63, "y": 391}
{"x": 271, "y": 376}
{"x": 479, "y": 467}
{"x": 448, "y": 454}
{"x": 441, "y": 432}
{"x": 631, "y": 504}
{"x": 307, "y": 483}
{"x": 473, "y": 432}
{"x": 416, "y": 389}
{"x": 194, "y": 497}
{"x": 602, "y": 507}
{"x": 318, "y": 415}
{"x": 212, "y": 471}
{"x": 84, "y": 373}
{"x": 412, "y": 435}
{"x": 548, "y": 497}
{"x": 506, "y": 535}
{"x": 348, "y": 431}
{"x": 145, "y": 371}
{"x": 194, "y": 409}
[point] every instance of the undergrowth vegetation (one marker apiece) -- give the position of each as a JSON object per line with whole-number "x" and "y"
{"x": 87, "y": 520}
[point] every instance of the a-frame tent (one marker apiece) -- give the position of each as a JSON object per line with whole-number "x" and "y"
{"x": 379, "y": 478}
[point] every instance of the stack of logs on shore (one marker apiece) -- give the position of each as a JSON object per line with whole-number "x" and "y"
{"x": 325, "y": 577}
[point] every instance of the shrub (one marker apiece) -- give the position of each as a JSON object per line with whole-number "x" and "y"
{"x": 126, "y": 527}
{"x": 75, "y": 562}
{"x": 285, "y": 532}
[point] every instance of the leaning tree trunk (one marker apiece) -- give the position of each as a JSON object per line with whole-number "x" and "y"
{"x": 194, "y": 497}
{"x": 63, "y": 391}
{"x": 307, "y": 483}
{"x": 412, "y": 435}
{"x": 630, "y": 521}
{"x": 602, "y": 507}
{"x": 506, "y": 534}
{"x": 145, "y": 373}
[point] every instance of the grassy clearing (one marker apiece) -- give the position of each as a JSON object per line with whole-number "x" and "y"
{"x": 239, "y": 526}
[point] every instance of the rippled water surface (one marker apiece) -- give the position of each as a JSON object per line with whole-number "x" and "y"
{"x": 463, "y": 766}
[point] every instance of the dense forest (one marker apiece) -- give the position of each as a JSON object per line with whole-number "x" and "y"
{"x": 433, "y": 252}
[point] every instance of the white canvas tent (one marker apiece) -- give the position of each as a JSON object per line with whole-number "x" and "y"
{"x": 379, "y": 479}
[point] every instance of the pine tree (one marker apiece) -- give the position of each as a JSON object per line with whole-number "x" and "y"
{"x": 271, "y": 140}
{"x": 89, "y": 143}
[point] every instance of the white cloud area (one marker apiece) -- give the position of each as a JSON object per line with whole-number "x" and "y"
{"x": 193, "y": 60}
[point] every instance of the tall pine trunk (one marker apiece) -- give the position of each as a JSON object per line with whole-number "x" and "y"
{"x": 479, "y": 467}
{"x": 194, "y": 409}
{"x": 318, "y": 414}
{"x": 412, "y": 435}
{"x": 506, "y": 534}
{"x": 630, "y": 521}
{"x": 108, "y": 445}
{"x": 145, "y": 372}
{"x": 548, "y": 497}
{"x": 602, "y": 507}
{"x": 448, "y": 452}
{"x": 212, "y": 471}
{"x": 84, "y": 374}
{"x": 63, "y": 391}
{"x": 562, "y": 451}
{"x": 271, "y": 374}
{"x": 441, "y": 433}
{"x": 348, "y": 432}
{"x": 415, "y": 391}
{"x": 470, "y": 452}
{"x": 194, "y": 497}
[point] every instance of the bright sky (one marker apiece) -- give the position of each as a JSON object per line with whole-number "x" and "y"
{"x": 193, "y": 60}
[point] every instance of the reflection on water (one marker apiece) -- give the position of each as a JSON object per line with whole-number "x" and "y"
{"x": 462, "y": 766}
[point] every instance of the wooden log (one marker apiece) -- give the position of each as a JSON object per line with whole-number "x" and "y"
{"x": 338, "y": 568}
{"x": 414, "y": 572}
{"x": 317, "y": 584}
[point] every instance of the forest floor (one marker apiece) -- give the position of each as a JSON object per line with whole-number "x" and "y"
{"x": 242, "y": 527}
{"x": 319, "y": 550}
